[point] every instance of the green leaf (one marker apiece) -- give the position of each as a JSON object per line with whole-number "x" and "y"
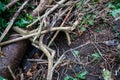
{"x": 95, "y": 56}
{"x": 111, "y": 6}
{"x": 91, "y": 22}
{"x": 88, "y": 16}
{"x": 115, "y": 29}
{"x": 22, "y": 23}
{"x": 1, "y": 78}
{"x": 97, "y": 30}
{"x": 106, "y": 74}
{"x": 83, "y": 28}
{"x": 75, "y": 53}
{"x": 1, "y": 7}
{"x": 29, "y": 16}
{"x": 75, "y": 79}
{"x": 82, "y": 75}
{"x": 115, "y": 12}
{"x": 68, "y": 78}
{"x": 79, "y": 4}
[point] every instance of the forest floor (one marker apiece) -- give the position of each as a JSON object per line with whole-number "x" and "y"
{"x": 60, "y": 40}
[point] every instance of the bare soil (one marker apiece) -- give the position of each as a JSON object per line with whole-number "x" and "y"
{"x": 91, "y": 42}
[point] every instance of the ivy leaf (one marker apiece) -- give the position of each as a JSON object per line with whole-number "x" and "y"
{"x": 79, "y": 4}
{"x": 1, "y": 7}
{"x": 115, "y": 12}
{"x": 1, "y": 78}
{"x": 111, "y": 6}
{"x": 91, "y": 22}
{"x": 68, "y": 78}
{"x": 22, "y": 23}
{"x": 83, "y": 28}
{"x": 95, "y": 56}
{"x": 75, "y": 53}
{"x": 29, "y": 16}
{"x": 82, "y": 75}
{"x": 106, "y": 74}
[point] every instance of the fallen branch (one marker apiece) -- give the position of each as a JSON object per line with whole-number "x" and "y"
{"x": 12, "y": 20}
{"x": 34, "y": 34}
{"x": 49, "y": 56}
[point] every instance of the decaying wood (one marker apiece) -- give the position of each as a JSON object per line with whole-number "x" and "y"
{"x": 13, "y": 55}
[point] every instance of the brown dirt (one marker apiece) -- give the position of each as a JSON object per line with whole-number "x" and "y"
{"x": 83, "y": 61}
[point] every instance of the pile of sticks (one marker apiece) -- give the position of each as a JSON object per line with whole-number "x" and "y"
{"x": 53, "y": 16}
{"x": 45, "y": 9}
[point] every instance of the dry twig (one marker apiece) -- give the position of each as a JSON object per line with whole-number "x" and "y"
{"x": 49, "y": 56}
{"x": 47, "y": 13}
{"x": 11, "y": 72}
{"x": 60, "y": 26}
{"x": 34, "y": 34}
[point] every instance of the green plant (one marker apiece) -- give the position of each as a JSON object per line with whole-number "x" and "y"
{"x": 1, "y": 78}
{"x": 70, "y": 78}
{"x": 83, "y": 28}
{"x": 79, "y": 76}
{"x": 1, "y": 7}
{"x": 82, "y": 75}
{"x": 115, "y": 7}
{"x": 106, "y": 74}
{"x": 79, "y": 3}
{"x": 88, "y": 19}
{"x": 75, "y": 53}
{"x": 95, "y": 56}
{"x": 24, "y": 20}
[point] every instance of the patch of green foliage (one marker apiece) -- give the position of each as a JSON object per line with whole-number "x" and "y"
{"x": 82, "y": 75}
{"x": 79, "y": 76}
{"x": 96, "y": 56}
{"x": 115, "y": 7}
{"x": 70, "y": 78}
{"x": 5, "y": 15}
{"x": 2, "y": 20}
{"x": 88, "y": 19}
{"x": 1, "y": 78}
{"x": 79, "y": 4}
{"x": 75, "y": 53}
{"x": 1, "y": 7}
{"x": 23, "y": 21}
{"x": 83, "y": 28}
{"x": 106, "y": 74}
